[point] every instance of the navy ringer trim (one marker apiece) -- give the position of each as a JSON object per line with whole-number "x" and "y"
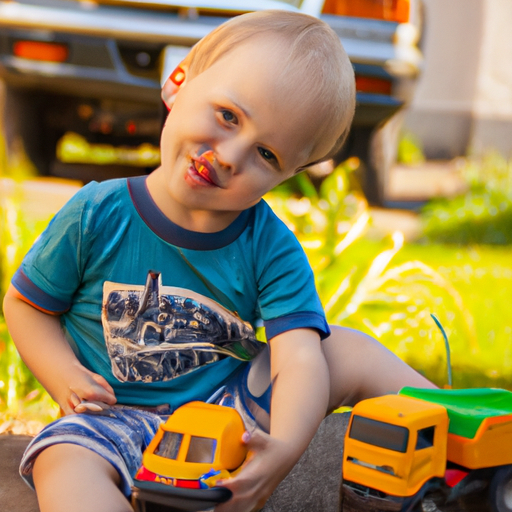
{"x": 174, "y": 234}
{"x": 301, "y": 320}
{"x": 36, "y": 296}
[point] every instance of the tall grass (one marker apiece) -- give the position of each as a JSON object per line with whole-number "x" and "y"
{"x": 24, "y": 405}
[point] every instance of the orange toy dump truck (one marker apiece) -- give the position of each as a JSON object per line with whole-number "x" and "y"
{"x": 430, "y": 450}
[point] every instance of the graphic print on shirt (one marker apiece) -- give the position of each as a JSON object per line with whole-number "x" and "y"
{"x": 155, "y": 333}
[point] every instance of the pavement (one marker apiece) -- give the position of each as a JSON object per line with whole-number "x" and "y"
{"x": 422, "y": 182}
{"x": 15, "y": 495}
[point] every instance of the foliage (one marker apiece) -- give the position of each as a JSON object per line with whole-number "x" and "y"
{"x": 384, "y": 287}
{"x": 21, "y": 396}
{"x": 410, "y": 150}
{"x": 483, "y": 215}
{"x": 390, "y": 289}
{"x": 20, "y": 393}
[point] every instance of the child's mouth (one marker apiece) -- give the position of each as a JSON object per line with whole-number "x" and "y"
{"x": 203, "y": 165}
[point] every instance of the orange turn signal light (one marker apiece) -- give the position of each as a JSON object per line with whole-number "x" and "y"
{"x": 39, "y": 50}
{"x": 389, "y": 10}
{"x": 373, "y": 85}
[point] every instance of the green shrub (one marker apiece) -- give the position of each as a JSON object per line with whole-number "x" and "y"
{"x": 483, "y": 215}
{"x": 410, "y": 150}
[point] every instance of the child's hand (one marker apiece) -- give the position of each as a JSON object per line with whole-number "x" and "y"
{"x": 269, "y": 460}
{"x": 84, "y": 386}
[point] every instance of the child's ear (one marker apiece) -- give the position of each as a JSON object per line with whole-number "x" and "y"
{"x": 172, "y": 85}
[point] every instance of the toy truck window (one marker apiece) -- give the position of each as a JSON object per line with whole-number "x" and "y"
{"x": 425, "y": 438}
{"x": 378, "y": 433}
{"x": 201, "y": 449}
{"x": 169, "y": 445}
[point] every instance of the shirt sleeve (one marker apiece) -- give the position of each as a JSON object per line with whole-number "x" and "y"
{"x": 288, "y": 298}
{"x": 50, "y": 273}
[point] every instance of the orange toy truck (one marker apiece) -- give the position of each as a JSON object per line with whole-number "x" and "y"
{"x": 436, "y": 450}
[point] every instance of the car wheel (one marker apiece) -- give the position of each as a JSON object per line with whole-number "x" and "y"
{"x": 376, "y": 148}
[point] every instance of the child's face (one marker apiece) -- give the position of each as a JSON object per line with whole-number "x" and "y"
{"x": 256, "y": 133}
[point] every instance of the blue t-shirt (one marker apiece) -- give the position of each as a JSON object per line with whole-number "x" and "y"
{"x": 111, "y": 235}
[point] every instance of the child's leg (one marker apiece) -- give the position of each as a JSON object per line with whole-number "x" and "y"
{"x": 71, "y": 478}
{"x": 86, "y": 462}
{"x": 360, "y": 367}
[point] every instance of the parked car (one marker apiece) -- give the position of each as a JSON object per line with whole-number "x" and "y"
{"x": 95, "y": 68}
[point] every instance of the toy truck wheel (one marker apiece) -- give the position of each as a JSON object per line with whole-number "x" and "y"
{"x": 500, "y": 491}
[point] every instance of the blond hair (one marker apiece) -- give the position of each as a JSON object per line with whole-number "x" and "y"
{"x": 316, "y": 62}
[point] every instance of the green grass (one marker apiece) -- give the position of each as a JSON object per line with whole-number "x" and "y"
{"x": 389, "y": 289}
{"x": 481, "y": 216}
{"x": 467, "y": 289}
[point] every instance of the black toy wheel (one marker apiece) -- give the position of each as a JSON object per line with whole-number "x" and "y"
{"x": 500, "y": 492}
{"x": 156, "y": 497}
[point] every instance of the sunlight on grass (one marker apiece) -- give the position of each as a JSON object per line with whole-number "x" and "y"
{"x": 390, "y": 289}
{"x": 481, "y": 216}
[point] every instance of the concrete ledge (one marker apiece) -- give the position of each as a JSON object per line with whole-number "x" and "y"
{"x": 313, "y": 485}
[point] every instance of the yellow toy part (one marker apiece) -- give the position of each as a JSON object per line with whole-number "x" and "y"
{"x": 197, "y": 438}
{"x": 395, "y": 444}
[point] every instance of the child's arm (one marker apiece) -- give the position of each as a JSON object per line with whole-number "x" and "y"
{"x": 44, "y": 349}
{"x": 300, "y": 395}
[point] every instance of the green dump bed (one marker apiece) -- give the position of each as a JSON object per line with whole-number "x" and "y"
{"x": 466, "y": 408}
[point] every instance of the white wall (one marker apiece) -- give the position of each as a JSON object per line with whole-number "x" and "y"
{"x": 463, "y": 101}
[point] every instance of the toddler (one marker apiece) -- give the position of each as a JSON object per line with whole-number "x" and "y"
{"x": 144, "y": 293}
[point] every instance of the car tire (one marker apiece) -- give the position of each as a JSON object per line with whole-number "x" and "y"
{"x": 376, "y": 148}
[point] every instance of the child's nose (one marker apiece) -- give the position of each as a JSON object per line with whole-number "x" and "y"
{"x": 232, "y": 154}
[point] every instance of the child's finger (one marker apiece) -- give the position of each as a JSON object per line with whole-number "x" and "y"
{"x": 104, "y": 384}
{"x": 255, "y": 440}
{"x": 74, "y": 399}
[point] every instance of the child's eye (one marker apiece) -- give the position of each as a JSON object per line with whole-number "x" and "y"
{"x": 229, "y": 117}
{"x": 267, "y": 155}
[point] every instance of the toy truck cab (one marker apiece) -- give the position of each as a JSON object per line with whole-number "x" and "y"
{"x": 199, "y": 444}
{"x": 394, "y": 445}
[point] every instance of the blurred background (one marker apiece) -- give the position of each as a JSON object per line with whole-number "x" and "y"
{"x": 412, "y": 218}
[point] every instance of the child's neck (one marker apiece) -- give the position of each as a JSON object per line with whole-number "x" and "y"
{"x": 201, "y": 221}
